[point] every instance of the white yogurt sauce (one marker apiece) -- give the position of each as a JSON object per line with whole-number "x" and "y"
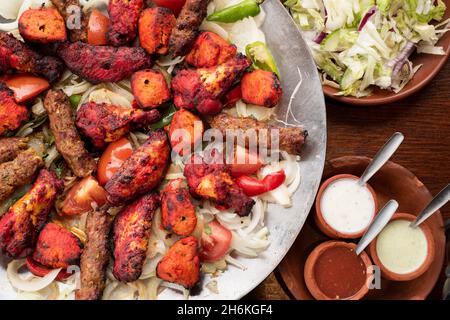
{"x": 347, "y": 206}
{"x": 400, "y": 248}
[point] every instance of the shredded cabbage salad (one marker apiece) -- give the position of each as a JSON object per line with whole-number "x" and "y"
{"x": 358, "y": 44}
{"x": 250, "y": 236}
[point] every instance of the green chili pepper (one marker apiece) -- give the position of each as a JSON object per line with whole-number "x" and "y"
{"x": 166, "y": 120}
{"x": 244, "y": 9}
{"x": 261, "y": 57}
{"x": 75, "y": 100}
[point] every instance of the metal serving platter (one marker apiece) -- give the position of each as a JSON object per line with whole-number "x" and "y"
{"x": 308, "y": 107}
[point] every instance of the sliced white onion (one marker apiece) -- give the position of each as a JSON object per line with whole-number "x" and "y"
{"x": 52, "y": 155}
{"x": 32, "y": 283}
{"x": 176, "y": 287}
{"x": 235, "y": 262}
{"x": 107, "y": 96}
{"x": 152, "y": 288}
{"x": 216, "y": 28}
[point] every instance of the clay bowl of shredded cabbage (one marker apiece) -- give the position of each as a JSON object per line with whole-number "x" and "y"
{"x": 374, "y": 52}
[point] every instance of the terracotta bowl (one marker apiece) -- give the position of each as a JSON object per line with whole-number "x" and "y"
{"x": 391, "y": 182}
{"x": 320, "y": 220}
{"x": 386, "y": 273}
{"x": 431, "y": 65}
{"x": 310, "y": 278}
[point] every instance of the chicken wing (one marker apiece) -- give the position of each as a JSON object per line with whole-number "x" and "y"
{"x": 16, "y": 55}
{"x": 95, "y": 256}
{"x": 124, "y": 15}
{"x": 11, "y": 147}
{"x": 103, "y": 63}
{"x": 11, "y": 114}
{"x": 177, "y": 211}
{"x": 103, "y": 123}
{"x": 142, "y": 171}
{"x": 57, "y": 247}
{"x": 213, "y": 182}
{"x": 202, "y": 88}
{"x": 67, "y": 139}
{"x": 131, "y": 233}
{"x": 155, "y": 27}
{"x": 181, "y": 264}
{"x": 19, "y": 227}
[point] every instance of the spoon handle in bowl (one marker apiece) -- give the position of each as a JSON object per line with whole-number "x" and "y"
{"x": 439, "y": 201}
{"x": 382, "y": 218}
{"x": 382, "y": 156}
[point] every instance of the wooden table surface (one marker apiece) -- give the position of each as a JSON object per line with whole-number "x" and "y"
{"x": 423, "y": 118}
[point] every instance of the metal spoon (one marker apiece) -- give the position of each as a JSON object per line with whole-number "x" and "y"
{"x": 383, "y": 155}
{"x": 438, "y": 201}
{"x": 380, "y": 221}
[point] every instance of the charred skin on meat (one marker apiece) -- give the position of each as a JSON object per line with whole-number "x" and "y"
{"x": 209, "y": 50}
{"x": 185, "y": 131}
{"x": 19, "y": 227}
{"x": 155, "y": 27}
{"x": 103, "y": 123}
{"x": 69, "y": 10}
{"x": 212, "y": 181}
{"x": 142, "y": 171}
{"x": 11, "y": 147}
{"x": 131, "y": 233}
{"x": 150, "y": 88}
{"x": 67, "y": 139}
{"x": 202, "y": 88}
{"x": 57, "y": 247}
{"x": 124, "y": 15}
{"x": 98, "y": 64}
{"x": 181, "y": 264}
{"x": 262, "y": 88}
{"x": 16, "y": 55}
{"x": 42, "y": 25}
{"x": 177, "y": 211}
{"x": 11, "y": 113}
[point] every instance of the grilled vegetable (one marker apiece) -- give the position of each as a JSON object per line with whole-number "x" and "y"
{"x": 43, "y": 25}
{"x": 25, "y": 86}
{"x": 262, "y": 88}
{"x": 150, "y": 88}
{"x": 112, "y": 159}
{"x": 11, "y": 114}
{"x": 261, "y": 57}
{"x": 155, "y": 27}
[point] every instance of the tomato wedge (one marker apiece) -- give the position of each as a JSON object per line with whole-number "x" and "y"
{"x": 112, "y": 158}
{"x": 174, "y": 5}
{"x": 97, "y": 28}
{"x": 81, "y": 196}
{"x": 216, "y": 242}
{"x": 40, "y": 271}
{"x": 25, "y": 86}
{"x": 253, "y": 187}
{"x": 244, "y": 162}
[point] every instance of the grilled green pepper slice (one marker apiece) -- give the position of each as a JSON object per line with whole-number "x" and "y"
{"x": 261, "y": 57}
{"x": 166, "y": 119}
{"x": 244, "y": 9}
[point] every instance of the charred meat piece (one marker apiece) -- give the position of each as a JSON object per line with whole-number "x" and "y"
{"x": 57, "y": 247}
{"x": 18, "y": 172}
{"x": 213, "y": 182}
{"x": 11, "y": 113}
{"x": 16, "y": 55}
{"x": 19, "y": 227}
{"x": 181, "y": 264}
{"x": 102, "y": 63}
{"x": 155, "y": 27}
{"x": 177, "y": 211}
{"x": 142, "y": 171}
{"x": 185, "y": 132}
{"x": 42, "y": 25}
{"x": 103, "y": 123}
{"x": 150, "y": 88}
{"x": 124, "y": 15}
{"x": 69, "y": 10}
{"x": 11, "y": 147}
{"x": 262, "y": 88}
{"x": 209, "y": 50}
{"x": 291, "y": 139}
{"x": 95, "y": 256}
{"x": 131, "y": 233}
{"x": 202, "y": 88}
{"x": 187, "y": 27}
{"x": 67, "y": 139}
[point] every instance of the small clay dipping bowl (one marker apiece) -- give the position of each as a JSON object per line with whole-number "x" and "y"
{"x": 333, "y": 271}
{"x": 398, "y": 252}
{"x": 321, "y": 220}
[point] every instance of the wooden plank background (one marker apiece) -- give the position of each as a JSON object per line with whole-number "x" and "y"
{"x": 423, "y": 118}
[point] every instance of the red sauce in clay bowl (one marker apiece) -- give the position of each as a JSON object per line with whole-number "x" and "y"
{"x": 333, "y": 271}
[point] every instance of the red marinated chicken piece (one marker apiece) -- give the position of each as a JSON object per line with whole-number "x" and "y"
{"x": 19, "y": 227}
{"x": 11, "y": 113}
{"x": 124, "y": 15}
{"x": 103, "y": 123}
{"x": 202, "y": 88}
{"x": 57, "y": 247}
{"x": 155, "y": 27}
{"x": 42, "y": 25}
{"x": 262, "y": 88}
{"x": 181, "y": 264}
{"x": 16, "y": 55}
{"x": 150, "y": 88}
{"x": 103, "y": 63}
